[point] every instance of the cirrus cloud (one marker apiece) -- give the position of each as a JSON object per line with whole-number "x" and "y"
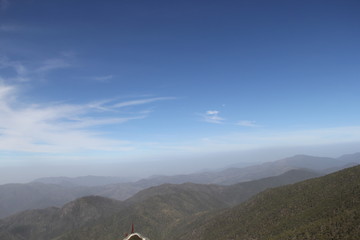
{"x": 212, "y": 116}
{"x": 61, "y": 128}
{"x": 247, "y": 123}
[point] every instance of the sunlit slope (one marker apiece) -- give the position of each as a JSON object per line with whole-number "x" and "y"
{"x": 323, "y": 208}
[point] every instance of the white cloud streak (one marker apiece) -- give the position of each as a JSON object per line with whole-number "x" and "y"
{"x": 52, "y": 64}
{"x": 18, "y": 67}
{"x": 141, "y": 101}
{"x": 19, "y": 72}
{"x": 58, "y": 128}
{"x": 247, "y": 123}
{"x": 103, "y": 78}
{"x": 212, "y": 116}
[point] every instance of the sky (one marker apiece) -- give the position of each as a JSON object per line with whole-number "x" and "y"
{"x": 120, "y": 81}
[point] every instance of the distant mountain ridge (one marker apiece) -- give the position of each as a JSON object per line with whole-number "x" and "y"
{"x": 19, "y": 197}
{"x": 87, "y": 181}
{"x": 51, "y": 222}
{"x": 234, "y": 175}
{"x": 224, "y": 177}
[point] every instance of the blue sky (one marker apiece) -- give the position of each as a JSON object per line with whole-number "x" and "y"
{"x": 118, "y": 80}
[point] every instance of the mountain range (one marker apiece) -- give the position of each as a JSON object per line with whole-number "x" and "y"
{"x": 89, "y": 181}
{"x": 55, "y": 192}
{"x": 297, "y": 204}
{"x": 158, "y": 211}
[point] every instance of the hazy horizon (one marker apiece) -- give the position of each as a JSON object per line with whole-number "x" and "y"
{"x": 143, "y": 168}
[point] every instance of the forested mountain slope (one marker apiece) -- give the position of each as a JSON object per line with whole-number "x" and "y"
{"x": 323, "y": 208}
{"x": 159, "y": 212}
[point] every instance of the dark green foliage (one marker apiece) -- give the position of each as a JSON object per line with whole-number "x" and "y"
{"x": 322, "y": 208}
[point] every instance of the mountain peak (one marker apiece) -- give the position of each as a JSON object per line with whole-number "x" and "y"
{"x": 355, "y": 157}
{"x": 90, "y": 207}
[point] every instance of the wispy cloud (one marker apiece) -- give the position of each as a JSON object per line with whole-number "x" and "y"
{"x": 105, "y": 78}
{"x": 17, "y": 66}
{"x": 247, "y": 123}
{"x": 6, "y": 95}
{"x": 52, "y": 64}
{"x": 141, "y": 101}
{"x": 58, "y": 128}
{"x": 212, "y": 116}
{"x": 22, "y": 72}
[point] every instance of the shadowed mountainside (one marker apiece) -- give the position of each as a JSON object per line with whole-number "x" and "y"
{"x": 49, "y": 223}
{"x": 19, "y": 197}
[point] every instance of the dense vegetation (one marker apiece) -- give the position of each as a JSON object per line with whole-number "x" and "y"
{"x": 322, "y": 208}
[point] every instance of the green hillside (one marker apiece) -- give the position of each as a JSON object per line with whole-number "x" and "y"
{"x": 166, "y": 211}
{"x": 154, "y": 216}
{"x": 322, "y": 208}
